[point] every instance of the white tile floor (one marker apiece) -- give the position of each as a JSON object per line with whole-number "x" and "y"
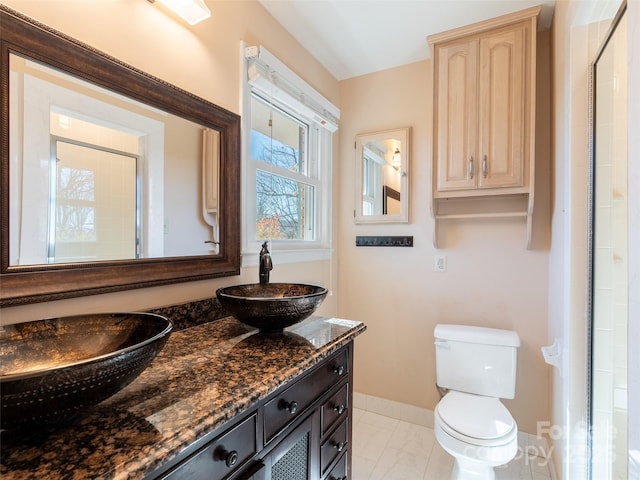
{"x": 388, "y": 449}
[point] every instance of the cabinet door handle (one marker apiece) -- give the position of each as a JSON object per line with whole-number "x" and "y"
{"x": 339, "y": 408}
{"x": 484, "y": 167}
{"x": 339, "y": 370}
{"x": 230, "y": 458}
{"x": 470, "y": 169}
{"x": 339, "y": 446}
{"x": 291, "y": 407}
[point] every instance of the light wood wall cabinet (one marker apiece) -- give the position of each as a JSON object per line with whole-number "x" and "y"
{"x": 484, "y": 119}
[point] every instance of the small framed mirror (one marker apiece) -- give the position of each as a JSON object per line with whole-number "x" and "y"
{"x": 382, "y": 176}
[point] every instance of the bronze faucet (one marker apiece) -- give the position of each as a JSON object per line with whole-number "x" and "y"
{"x": 266, "y": 265}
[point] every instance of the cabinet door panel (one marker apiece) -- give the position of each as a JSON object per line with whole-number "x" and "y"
{"x": 335, "y": 408}
{"x": 334, "y": 446}
{"x": 296, "y": 456}
{"x": 339, "y": 472}
{"x": 502, "y": 109}
{"x": 456, "y": 117}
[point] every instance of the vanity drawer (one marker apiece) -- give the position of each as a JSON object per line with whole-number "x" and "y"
{"x": 285, "y": 407}
{"x": 335, "y": 408}
{"x": 222, "y": 456}
{"x": 339, "y": 472}
{"x": 333, "y": 446}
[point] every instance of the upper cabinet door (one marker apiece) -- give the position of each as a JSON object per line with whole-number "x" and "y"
{"x": 484, "y": 76}
{"x": 502, "y": 109}
{"x": 456, "y": 115}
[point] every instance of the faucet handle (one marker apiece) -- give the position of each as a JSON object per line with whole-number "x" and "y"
{"x": 266, "y": 265}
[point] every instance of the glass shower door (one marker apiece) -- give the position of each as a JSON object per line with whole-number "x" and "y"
{"x": 609, "y": 420}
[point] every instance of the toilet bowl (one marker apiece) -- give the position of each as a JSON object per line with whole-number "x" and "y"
{"x": 477, "y": 431}
{"x": 477, "y": 366}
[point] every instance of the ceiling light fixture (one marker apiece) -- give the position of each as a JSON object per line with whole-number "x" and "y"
{"x": 191, "y": 11}
{"x": 396, "y": 161}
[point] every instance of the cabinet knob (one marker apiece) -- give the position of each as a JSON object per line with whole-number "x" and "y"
{"x": 485, "y": 172}
{"x": 291, "y": 407}
{"x": 339, "y": 408}
{"x": 230, "y": 458}
{"x": 339, "y": 370}
{"x": 339, "y": 446}
{"x": 470, "y": 168}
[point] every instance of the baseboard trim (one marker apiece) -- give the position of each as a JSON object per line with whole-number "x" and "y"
{"x": 392, "y": 409}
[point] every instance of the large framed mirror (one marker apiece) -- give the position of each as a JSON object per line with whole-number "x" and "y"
{"x": 111, "y": 179}
{"x": 382, "y": 176}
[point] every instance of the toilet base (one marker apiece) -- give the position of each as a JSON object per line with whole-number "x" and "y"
{"x": 473, "y": 462}
{"x": 464, "y": 469}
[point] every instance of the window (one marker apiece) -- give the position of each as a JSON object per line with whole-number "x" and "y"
{"x": 372, "y": 181}
{"x": 285, "y": 180}
{"x": 287, "y": 161}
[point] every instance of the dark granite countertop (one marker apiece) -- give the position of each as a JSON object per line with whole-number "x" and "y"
{"x": 204, "y": 376}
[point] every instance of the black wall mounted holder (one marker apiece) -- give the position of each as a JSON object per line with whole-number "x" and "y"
{"x": 384, "y": 241}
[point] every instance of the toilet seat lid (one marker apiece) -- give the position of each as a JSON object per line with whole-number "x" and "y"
{"x": 475, "y": 416}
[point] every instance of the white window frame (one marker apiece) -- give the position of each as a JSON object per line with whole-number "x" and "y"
{"x": 371, "y": 181}
{"x": 276, "y": 83}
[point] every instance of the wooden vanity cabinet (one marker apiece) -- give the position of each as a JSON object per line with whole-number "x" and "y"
{"x": 300, "y": 432}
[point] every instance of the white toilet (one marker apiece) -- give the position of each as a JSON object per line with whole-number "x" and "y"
{"x": 478, "y": 367}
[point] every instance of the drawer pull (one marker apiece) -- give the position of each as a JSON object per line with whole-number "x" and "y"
{"x": 339, "y": 446}
{"x": 291, "y": 407}
{"x": 339, "y": 370}
{"x": 230, "y": 458}
{"x": 339, "y": 408}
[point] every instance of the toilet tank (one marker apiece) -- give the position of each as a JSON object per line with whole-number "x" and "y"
{"x": 476, "y": 360}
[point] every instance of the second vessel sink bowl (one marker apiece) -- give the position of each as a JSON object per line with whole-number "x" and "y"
{"x": 51, "y": 369}
{"x": 271, "y": 307}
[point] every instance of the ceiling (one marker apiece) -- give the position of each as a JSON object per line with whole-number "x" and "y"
{"x": 357, "y": 37}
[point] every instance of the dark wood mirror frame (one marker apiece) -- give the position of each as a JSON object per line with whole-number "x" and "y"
{"x": 39, "y": 283}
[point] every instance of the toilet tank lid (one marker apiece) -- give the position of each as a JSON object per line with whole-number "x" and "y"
{"x": 482, "y": 335}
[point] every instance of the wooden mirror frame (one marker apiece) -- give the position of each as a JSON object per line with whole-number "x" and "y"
{"x": 41, "y": 283}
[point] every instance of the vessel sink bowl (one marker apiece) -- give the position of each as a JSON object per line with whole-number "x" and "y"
{"x": 271, "y": 307}
{"x": 54, "y": 368}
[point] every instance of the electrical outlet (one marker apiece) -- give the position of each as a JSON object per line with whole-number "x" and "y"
{"x": 439, "y": 263}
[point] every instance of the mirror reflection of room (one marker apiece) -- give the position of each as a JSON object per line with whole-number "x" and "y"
{"x": 382, "y": 169}
{"x": 92, "y": 188}
{"x": 95, "y": 181}
{"x": 377, "y": 177}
